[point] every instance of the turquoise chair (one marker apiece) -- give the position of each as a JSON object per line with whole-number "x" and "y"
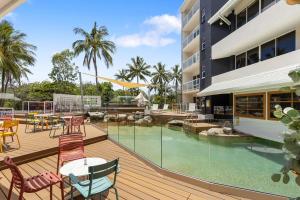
{"x": 98, "y": 181}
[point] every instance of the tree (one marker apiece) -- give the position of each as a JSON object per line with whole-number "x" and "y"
{"x": 176, "y": 77}
{"x": 64, "y": 69}
{"x": 107, "y": 92}
{"x": 16, "y": 55}
{"x": 138, "y": 69}
{"x": 94, "y": 46}
{"x": 160, "y": 76}
{"x": 122, "y": 75}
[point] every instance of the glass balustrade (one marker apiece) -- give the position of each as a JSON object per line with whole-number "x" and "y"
{"x": 186, "y": 18}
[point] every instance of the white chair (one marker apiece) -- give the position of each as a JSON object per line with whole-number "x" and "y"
{"x": 165, "y": 108}
{"x": 154, "y": 108}
{"x": 192, "y": 110}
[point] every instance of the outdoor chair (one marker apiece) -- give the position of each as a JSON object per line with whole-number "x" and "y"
{"x": 165, "y": 108}
{"x": 8, "y": 131}
{"x": 55, "y": 123}
{"x": 154, "y": 108}
{"x": 98, "y": 181}
{"x": 76, "y": 123}
{"x": 192, "y": 110}
{"x": 71, "y": 147}
{"x": 32, "y": 121}
{"x": 32, "y": 184}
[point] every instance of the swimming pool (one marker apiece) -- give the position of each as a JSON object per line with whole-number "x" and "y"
{"x": 240, "y": 162}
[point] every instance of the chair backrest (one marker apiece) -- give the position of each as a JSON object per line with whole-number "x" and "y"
{"x": 166, "y": 107}
{"x": 154, "y": 107}
{"x": 17, "y": 177}
{"x": 70, "y": 142}
{"x": 10, "y": 124}
{"x": 77, "y": 121}
{"x": 103, "y": 170}
{"x": 192, "y": 107}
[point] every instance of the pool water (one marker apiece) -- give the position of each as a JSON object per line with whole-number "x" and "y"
{"x": 240, "y": 162}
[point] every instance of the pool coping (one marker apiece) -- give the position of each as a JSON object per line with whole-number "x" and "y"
{"x": 216, "y": 187}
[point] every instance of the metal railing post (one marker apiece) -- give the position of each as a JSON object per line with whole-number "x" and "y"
{"x": 161, "y": 145}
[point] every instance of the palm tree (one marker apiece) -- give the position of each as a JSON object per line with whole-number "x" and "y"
{"x": 176, "y": 77}
{"x": 122, "y": 75}
{"x": 138, "y": 69}
{"x": 160, "y": 76}
{"x": 94, "y": 46}
{"x": 16, "y": 55}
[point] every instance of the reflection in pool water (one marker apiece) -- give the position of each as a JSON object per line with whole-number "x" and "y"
{"x": 240, "y": 162}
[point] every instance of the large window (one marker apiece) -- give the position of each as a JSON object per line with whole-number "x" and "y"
{"x": 253, "y": 10}
{"x": 285, "y": 99}
{"x": 241, "y": 19}
{"x": 268, "y": 50}
{"x": 266, "y": 4}
{"x": 252, "y": 56}
{"x": 286, "y": 43}
{"x": 250, "y": 106}
{"x": 240, "y": 60}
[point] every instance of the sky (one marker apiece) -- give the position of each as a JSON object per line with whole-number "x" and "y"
{"x": 146, "y": 28}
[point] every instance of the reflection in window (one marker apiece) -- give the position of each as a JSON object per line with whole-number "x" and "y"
{"x": 240, "y": 60}
{"x": 241, "y": 19}
{"x": 252, "y": 56}
{"x": 253, "y": 10}
{"x": 286, "y": 43}
{"x": 266, "y": 4}
{"x": 268, "y": 50}
{"x": 250, "y": 106}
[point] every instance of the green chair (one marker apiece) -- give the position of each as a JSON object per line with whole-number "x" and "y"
{"x": 98, "y": 181}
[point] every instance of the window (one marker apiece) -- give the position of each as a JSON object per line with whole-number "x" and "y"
{"x": 241, "y": 19}
{"x": 268, "y": 50}
{"x": 203, "y": 45}
{"x": 284, "y": 99}
{"x": 253, "y": 10}
{"x": 240, "y": 61}
{"x": 286, "y": 43}
{"x": 250, "y": 106}
{"x": 203, "y": 16}
{"x": 203, "y": 73}
{"x": 252, "y": 56}
{"x": 266, "y": 4}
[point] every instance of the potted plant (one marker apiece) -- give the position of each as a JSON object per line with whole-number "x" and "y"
{"x": 290, "y": 117}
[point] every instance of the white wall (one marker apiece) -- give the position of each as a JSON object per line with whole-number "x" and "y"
{"x": 268, "y": 129}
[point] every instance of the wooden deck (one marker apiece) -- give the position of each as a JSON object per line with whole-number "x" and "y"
{"x": 135, "y": 181}
{"x": 39, "y": 144}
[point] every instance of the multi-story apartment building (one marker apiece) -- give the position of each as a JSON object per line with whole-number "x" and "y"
{"x": 236, "y": 55}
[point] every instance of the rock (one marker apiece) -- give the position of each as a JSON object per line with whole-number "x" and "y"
{"x": 227, "y": 130}
{"x": 130, "y": 118}
{"x": 215, "y": 131}
{"x": 122, "y": 116}
{"x": 176, "y": 122}
{"x": 144, "y": 121}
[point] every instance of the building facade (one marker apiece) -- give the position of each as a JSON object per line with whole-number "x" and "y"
{"x": 244, "y": 52}
{"x": 7, "y": 6}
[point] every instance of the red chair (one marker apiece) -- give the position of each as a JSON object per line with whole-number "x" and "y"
{"x": 77, "y": 122}
{"x": 71, "y": 147}
{"x": 32, "y": 184}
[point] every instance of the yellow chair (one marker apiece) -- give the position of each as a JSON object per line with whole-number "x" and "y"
{"x": 8, "y": 130}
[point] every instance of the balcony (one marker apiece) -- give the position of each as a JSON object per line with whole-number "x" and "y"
{"x": 192, "y": 41}
{"x": 259, "y": 30}
{"x": 191, "y": 86}
{"x": 7, "y": 6}
{"x": 192, "y": 18}
{"x": 191, "y": 63}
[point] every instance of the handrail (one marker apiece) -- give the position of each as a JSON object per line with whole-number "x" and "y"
{"x": 191, "y": 36}
{"x": 191, "y": 85}
{"x": 191, "y": 60}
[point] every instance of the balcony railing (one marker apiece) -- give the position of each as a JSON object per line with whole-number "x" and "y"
{"x": 191, "y": 85}
{"x": 191, "y": 36}
{"x": 191, "y": 60}
{"x": 190, "y": 14}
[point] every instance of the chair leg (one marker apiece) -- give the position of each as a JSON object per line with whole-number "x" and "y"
{"x": 10, "y": 190}
{"x": 116, "y": 191}
{"x": 72, "y": 195}
{"x": 18, "y": 141}
{"x": 62, "y": 189}
{"x": 50, "y": 192}
{"x": 57, "y": 164}
{"x": 84, "y": 131}
{"x": 21, "y": 194}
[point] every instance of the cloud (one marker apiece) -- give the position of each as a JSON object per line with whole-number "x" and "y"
{"x": 158, "y": 34}
{"x": 10, "y": 16}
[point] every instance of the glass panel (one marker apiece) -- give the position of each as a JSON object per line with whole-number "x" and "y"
{"x": 241, "y": 60}
{"x": 250, "y": 106}
{"x": 266, "y": 4}
{"x": 126, "y": 130}
{"x": 252, "y": 56}
{"x": 241, "y": 19}
{"x": 286, "y": 43}
{"x": 112, "y": 128}
{"x": 253, "y": 10}
{"x": 280, "y": 97}
{"x": 268, "y": 50}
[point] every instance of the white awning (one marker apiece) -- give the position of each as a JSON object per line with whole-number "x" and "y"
{"x": 263, "y": 81}
{"x": 223, "y": 11}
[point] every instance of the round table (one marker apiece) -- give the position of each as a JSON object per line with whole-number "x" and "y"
{"x": 77, "y": 167}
